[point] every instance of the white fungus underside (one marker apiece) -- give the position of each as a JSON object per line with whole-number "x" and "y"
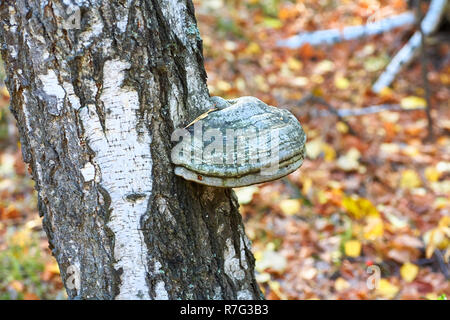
{"x": 233, "y": 182}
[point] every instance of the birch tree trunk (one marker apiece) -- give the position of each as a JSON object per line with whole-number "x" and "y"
{"x": 97, "y": 89}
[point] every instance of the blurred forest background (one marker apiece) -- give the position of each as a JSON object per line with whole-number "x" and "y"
{"x": 372, "y": 193}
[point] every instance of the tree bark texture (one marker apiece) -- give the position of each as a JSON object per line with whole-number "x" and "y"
{"x": 96, "y": 105}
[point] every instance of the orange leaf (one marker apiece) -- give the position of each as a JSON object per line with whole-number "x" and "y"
{"x": 30, "y": 296}
{"x": 307, "y": 51}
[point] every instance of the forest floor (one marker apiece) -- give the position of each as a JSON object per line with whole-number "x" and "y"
{"x": 367, "y": 216}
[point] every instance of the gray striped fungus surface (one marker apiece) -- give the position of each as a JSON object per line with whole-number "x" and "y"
{"x": 239, "y": 142}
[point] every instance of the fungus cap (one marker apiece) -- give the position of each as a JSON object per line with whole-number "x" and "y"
{"x": 243, "y": 142}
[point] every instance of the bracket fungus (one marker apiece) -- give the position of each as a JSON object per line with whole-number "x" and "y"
{"x": 239, "y": 142}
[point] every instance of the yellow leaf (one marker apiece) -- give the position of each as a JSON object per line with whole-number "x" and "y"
{"x": 410, "y": 180}
{"x": 353, "y": 248}
{"x": 341, "y": 83}
{"x": 432, "y": 174}
{"x": 240, "y": 84}
{"x": 272, "y": 23}
{"x": 359, "y": 207}
{"x": 317, "y": 79}
{"x": 307, "y": 185}
{"x": 351, "y": 205}
{"x": 438, "y": 237}
{"x": 258, "y": 255}
{"x": 329, "y": 153}
{"x": 314, "y": 148}
{"x": 341, "y": 284}
{"x": 253, "y": 49}
{"x": 294, "y": 64}
{"x": 444, "y": 222}
{"x": 374, "y": 228}
{"x": 431, "y": 238}
{"x": 368, "y": 208}
{"x": 290, "y": 206}
{"x": 322, "y": 197}
{"x": 441, "y": 203}
{"x": 22, "y": 238}
{"x": 261, "y": 83}
{"x": 275, "y": 287}
{"x": 445, "y": 79}
{"x": 386, "y": 289}
{"x": 223, "y": 86}
{"x": 431, "y": 296}
{"x": 50, "y": 269}
{"x": 317, "y": 91}
{"x": 409, "y": 271}
{"x": 413, "y": 102}
{"x": 341, "y": 127}
{"x": 386, "y": 92}
{"x": 54, "y": 268}
{"x": 5, "y": 93}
